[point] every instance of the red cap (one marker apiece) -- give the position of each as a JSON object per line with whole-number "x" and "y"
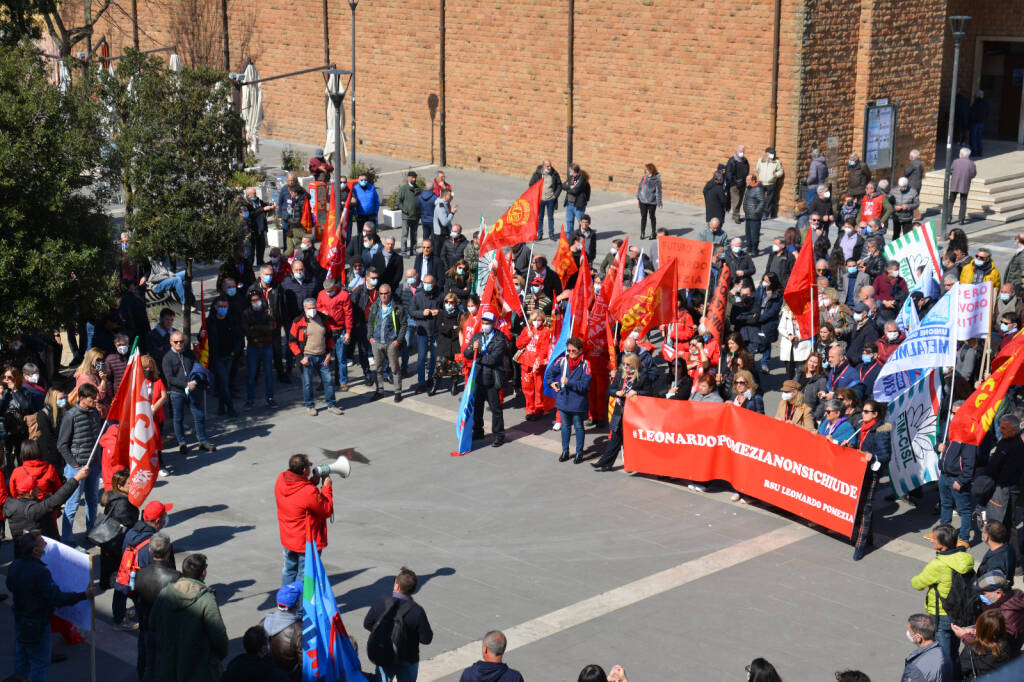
{"x": 22, "y": 482}
{"x": 537, "y": 280}
{"x": 155, "y": 509}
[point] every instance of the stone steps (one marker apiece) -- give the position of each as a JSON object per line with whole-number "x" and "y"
{"x": 997, "y": 192}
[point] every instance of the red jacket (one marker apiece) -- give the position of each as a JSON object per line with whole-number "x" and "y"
{"x": 47, "y": 480}
{"x": 337, "y": 309}
{"x": 297, "y": 334}
{"x": 301, "y": 505}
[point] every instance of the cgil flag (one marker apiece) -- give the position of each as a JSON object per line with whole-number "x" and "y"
{"x": 582, "y": 296}
{"x": 562, "y": 262}
{"x": 647, "y": 303}
{"x": 464, "y": 419}
{"x": 801, "y": 294}
{"x": 137, "y": 439}
{"x": 518, "y": 224}
{"x": 976, "y": 416}
{"x": 332, "y": 250}
{"x": 714, "y": 318}
{"x": 327, "y": 652}
{"x": 612, "y": 292}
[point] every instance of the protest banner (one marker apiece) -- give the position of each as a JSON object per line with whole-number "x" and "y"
{"x": 913, "y": 250}
{"x": 692, "y": 257}
{"x": 973, "y": 310}
{"x": 932, "y": 344}
{"x": 779, "y": 463}
{"x": 72, "y": 572}
{"x": 914, "y": 419}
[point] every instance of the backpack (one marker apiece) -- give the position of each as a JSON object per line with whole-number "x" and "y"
{"x": 962, "y": 603}
{"x": 387, "y": 640}
{"x": 130, "y": 564}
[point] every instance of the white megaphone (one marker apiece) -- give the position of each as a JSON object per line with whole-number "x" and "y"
{"x": 339, "y": 466}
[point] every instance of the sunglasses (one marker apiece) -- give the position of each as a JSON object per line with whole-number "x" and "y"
{"x": 177, "y": 343}
{"x": 740, "y": 382}
{"x": 867, "y": 410}
{"x": 830, "y": 409}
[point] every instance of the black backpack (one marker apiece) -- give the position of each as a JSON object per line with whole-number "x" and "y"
{"x": 962, "y": 603}
{"x": 387, "y": 640}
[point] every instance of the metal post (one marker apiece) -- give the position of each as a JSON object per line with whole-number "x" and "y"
{"x": 135, "y": 24}
{"x": 569, "y": 88}
{"x": 327, "y": 38}
{"x": 958, "y": 25}
{"x": 442, "y": 139}
{"x": 224, "y": 31}
{"x": 774, "y": 108}
{"x": 352, "y": 83}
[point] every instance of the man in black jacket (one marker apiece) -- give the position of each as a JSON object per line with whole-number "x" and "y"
{"x": 454, "y": 247}
{"x": 552, "y": 284}
{"x": 150, "y": 579}
{"x": 429, "y": 263}
{"x": 589, "y": 237}
{"x": 184, "y": 392}
{"x": 225, "y": 343}
{"x": 283, "y": 628}
{"x": 401, "y": 607}
{"x": 388, "y": 263}
{"x": 489, "y": 346}
{"x": 79, "y": 432}
{"x": 273, "y": 302}
{"x": 425, "y": 309}
{"x": 956, "y": 473}
{"x": 548, "y": 195}
{"x": 736, "y": 172}
{"x": 27, "y": 514}
{"x": 35, "y": 597}
{"x": 490, "y": 667}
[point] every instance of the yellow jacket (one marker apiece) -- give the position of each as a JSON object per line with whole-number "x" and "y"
{"x": 967, "y": 276}
{"x": 939, "y": 571}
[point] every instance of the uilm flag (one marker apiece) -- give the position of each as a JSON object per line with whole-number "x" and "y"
{"x": 648, "y": 303}
{"x": 802, "y": 289}
{"x": 137, "y": 436}
{"x": 563, "y": 263}
{"x": 518, "y": 224}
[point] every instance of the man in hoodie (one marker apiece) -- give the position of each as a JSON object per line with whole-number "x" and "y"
{"x": 190, "y": 634}
{"x": 301, "y": 505}
{"x": 365, "y": 202}
{"x": 284, "y": 631}
{"x": 149, "y": 581}
{"x": 491, "y": 668}
{"x": 937, "y": 579}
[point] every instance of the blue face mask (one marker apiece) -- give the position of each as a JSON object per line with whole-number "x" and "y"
{"x": 428, "y": 287}
{"x": 461, "y": 271}
{"x": 866, "y": 230}
{"x": 852, "y": 269}
{"x": 1004, "y": 327}
{"x": 231, "y": 291}
{"x": 267, "y": 279}
{"x": 299, "y": 276}
{"x": 866, "y": 359}
{"x": 411, "y": 281}
{"x": 222, "y": 310}
{"x": 362, "y": 183}
{"x": 984, "y": 599}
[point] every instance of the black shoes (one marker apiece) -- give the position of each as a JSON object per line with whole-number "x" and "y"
{"x": 498, "y": 441}
{"x": 564, "y": 457}
{"x": 377, "y": 395}
{"x": 433, "y": 388}
{"x": 208, "y": 447}
{"x": 578, "y": 459}
{"x": 398, "y": 397}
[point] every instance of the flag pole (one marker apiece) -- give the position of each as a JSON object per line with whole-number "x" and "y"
{"x": 949, "y": 407}
{"x": 707, "y": 289}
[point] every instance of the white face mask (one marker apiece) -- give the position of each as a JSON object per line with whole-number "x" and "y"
{"x": 910, "y": 637}
{"x": 536, "y": 324}
{"x": 32, "y": 378}
{"x": 848, "y": 230}
{"x": 748, "y": 394}
{"x": 771, "y": 156}
{"x": 786, "y": 395}
{"x": 892, "y": 336}
{"x": 471, "y": 310}
{"x": 310, "y": 313}
{"x": 123, "y": 350}
{"x": 776, "y": 248}
{"x": 449, "y": 307}
{"x": 828, "y": 195}
{"x": 486, "y": 328}
{"x": 858, "y": 316}
{"x": 612, "y": 251}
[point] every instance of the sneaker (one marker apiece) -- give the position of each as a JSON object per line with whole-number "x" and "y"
{"x": 349, "y": 363}
{"x": 557, "y": 426}
{"x": 128, "y": 625}
{"x": 736, "y": 497}
{"x": 164, "y": 473}
{"x": 333, "y": 409}
{"x": 311, "y": 411}
{"x": 697, "y": 487}
{"x": 208, "y": 447}
{"x": 372, "y": 362}
{"x": 271, "y": 403}
{"x": 963, "y": 543}
{"x": 343, "y": 387}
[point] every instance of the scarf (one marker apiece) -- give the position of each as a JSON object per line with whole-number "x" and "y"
{"x": 865, "y": 429}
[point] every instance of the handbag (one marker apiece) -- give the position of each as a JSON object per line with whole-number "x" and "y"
{"x": 104, "y": 530}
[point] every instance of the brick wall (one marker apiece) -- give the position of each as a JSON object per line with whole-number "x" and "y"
{"x": 677, "y": 84}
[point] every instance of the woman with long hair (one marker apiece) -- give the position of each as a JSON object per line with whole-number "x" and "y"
{"x": 745, "y": 393}
{"x": 990, "y": 649}
{"x": 458, "y": 280}
{"x": 812, "y": 380}
{"x": 447, "y": 344}
{"x": 648, "y": 196}
{"x": 48, "y": 420}
{"x": 761, "y": 670}
{"x": 93, "y": 370}
{"x": 874, "y": 439}
{"x": 467, "y": 323}
{"x": 15, "y": 405}
{"x": 117, "y": 506}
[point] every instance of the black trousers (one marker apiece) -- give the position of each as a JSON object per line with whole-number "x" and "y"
{"x": 963, "y": 205}
{"x": 611, "y": 448}
{"x": 409, "y": 235}
{"x": 901, "y": 227}
{"x": 259, "y": 246}
{"x": 648, "y": 210}
{"x": 490, "y": 394}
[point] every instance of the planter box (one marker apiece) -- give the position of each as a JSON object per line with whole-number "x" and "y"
{"x": 275, "y": 237}
{"x": 391, "y": 218}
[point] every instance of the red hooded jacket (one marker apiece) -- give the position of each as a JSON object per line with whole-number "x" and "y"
{"x": 47, "y": 480}
{"x": 298, "y": 500}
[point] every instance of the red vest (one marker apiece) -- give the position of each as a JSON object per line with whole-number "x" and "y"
{"x": 872, "y": 207}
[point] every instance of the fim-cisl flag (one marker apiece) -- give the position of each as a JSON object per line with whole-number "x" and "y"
{"x": 327, "y": 652}
{"x": 464, "y": 419}
{"x": 914, "y": 419}
{"x": 138, "y": 439}
{"x": 518, "y": 224}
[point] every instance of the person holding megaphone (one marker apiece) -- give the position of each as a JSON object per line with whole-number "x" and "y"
{"x": 303, "y": 507}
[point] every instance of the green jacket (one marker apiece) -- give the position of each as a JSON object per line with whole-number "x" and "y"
{"x": 407, "y": 202}
{"x": 939, "y": 571}
{"x": 191, "y": 640}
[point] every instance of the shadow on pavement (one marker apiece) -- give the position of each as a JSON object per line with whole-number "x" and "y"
{"x": 209, "y": 536}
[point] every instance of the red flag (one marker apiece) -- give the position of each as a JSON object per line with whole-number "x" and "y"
{"x": 714, "y": 310}
{"x": 580, "y": 299}
{"x": 505, "y": 285}
{"x": 974, "y": 418}
{"x": 137, "y": 435}
{"x": 611, "y": 290}
{"x": 518, "y": 224}
{"x": 332, "y": 249}
{"x": 802, "y": 289}
{"x": 563, "y": 263}
{"x": 648, "y": 303}
{"x": 693, "y": 258}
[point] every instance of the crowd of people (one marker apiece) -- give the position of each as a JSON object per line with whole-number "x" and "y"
{"x": 279, "y": 309}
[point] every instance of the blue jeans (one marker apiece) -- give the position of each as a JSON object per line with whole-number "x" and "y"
{"x": 753, "y": 236}
{"x": 572, "y": 217}
{"x": 547, "y": 207}
{"x": 964, "y": 506}
{"x": 294, "y": 566}
{"x": 571, "y": 421}
{"x": 341, "y": 358}
{"x": 91, "y": 488}
{"x": 811, "y": 193}
{"x": 403, "y": 672}
{"x": 410, "y": 334}
{"x": 222, "y": 378}
{"x": 948, "y": 642}
{"x": 425, "y": 345}
{"x": 254, "y": 357}
{"x": 178, "y": 282}
{"x": 977, "y": 129}
{"x": 32, "y": 661}
{"x": 178, "y": 402}
{"x": 316, "y": 366}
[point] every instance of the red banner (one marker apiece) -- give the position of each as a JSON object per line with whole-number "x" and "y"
{"x": 779, "y": 463}
{"x": 332, "y": 248}
{"x": 611, "y": 292}
{"x": 504, "y": 284}
{"x": 581, "y": 298}
{"x": 692, "y": 257}
{"x": 519, "y": 224}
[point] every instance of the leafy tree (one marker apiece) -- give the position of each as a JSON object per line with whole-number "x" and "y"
{"x": 56, "y": 245}
{"x": 22, "y": 18}
{"x": 175, "y": 138}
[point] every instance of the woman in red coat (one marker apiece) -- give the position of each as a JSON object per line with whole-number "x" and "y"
{"x": 534, "y": 344}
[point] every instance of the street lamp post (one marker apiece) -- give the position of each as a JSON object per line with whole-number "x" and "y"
{"x": 337, "y": 95}
{"x": 352, "y": 81}
{"x": 958, "y": 25}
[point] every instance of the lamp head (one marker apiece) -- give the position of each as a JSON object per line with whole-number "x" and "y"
{"x": 958, "y": 24}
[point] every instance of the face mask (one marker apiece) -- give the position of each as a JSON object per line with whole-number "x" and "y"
{"x": 979, "y": 263}
{"x": 471, "y": 310}
{"x": 519, "y": 289}
{"x": 984, "y": 599}
{"x": 748, "y": 394}
{"x": 736, "y": 299}
{"x": 739, "y": 155}
{"x": 776, "y": 248}
{"x": 612, "y": 251}
{"x": 427, "y": 286}
{"x": 231, "y": 291}
{"x": 867, "y": 230}
{"x": 267, "y": 279}
{"x": 536, "y": 324}
{"x": 597, "y": 288}
{"x": 299, "y": 276}
{"x": 34, "y": 378}
{"x": 256, "y": 305}
{"x": 852, "y": 269}
{"x": 547, "y": 170}
{"x": 304, "y": 247}
{"x": 412, "y": 184}
{"x": 311, "y": 313}
{"x": 62, "y": 402}
{"x": 486, "y": 328}
{"x": 362, "y": 183}
{"x": 910, "y": 637}
{"x": 275, "y": 260}
{"x": 371, "y": 283}
{"x": 851, "y": 163}
{"x": 222, "y": 310}
{"x": 866, "y": 359}
{"x": 123, "y": 350}
{"x": 411, "y": 281}
{"x": 367, "y": 243}
{"x": 1005, "y": 297}
{"x": 449, "y": 307}
{"x": 848, "y": 230}
{"x": 737, "y": 249}
{"x": 786, "y": 395}
{"x": 461, "y": 271}
{"x": 702, "y": 329}
{"x": 892, "y": 336}
{"x": 858, "y": 316}
{"x": 535, "y": 289}
{"x": 828, "y": 195}
{"x": 1004, "y": 327}
{"x": 332, "y": 294}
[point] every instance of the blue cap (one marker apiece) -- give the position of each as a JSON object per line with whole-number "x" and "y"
{"x": 290, "y": 594}
{"x": 487, "y": 317}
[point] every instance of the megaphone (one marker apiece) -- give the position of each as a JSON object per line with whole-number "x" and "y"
{"x": 339, "y": 466}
